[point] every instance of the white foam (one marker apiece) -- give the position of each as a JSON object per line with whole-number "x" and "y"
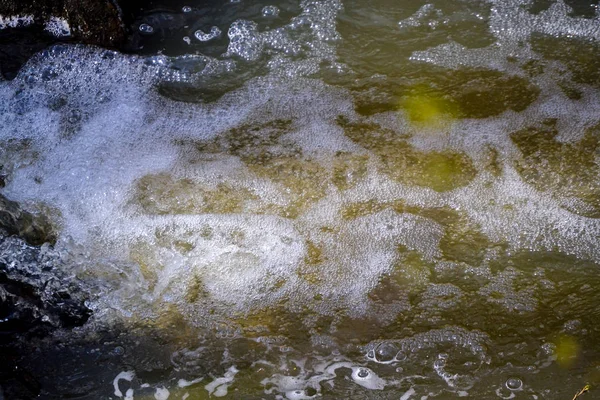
{"x": 161, "y": 393}
{"x": 96, "y": 126}
{"x": 185, "y": 383}
{"x": 512, "y": 26}
{"x": 15, "y": 21}
{"x": 407, "y": 395}
{"x": 218, "y": 387}
{"x": 58, "y": 27}
{"x": 127, "y": 376}
{"x": 367, "y": 378}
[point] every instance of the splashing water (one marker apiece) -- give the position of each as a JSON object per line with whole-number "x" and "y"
{"x": 349, "y": 201}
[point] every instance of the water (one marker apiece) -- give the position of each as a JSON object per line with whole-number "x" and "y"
{"x": 321, "y": 199}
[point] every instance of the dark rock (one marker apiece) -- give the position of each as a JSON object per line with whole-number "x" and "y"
{"x": 17, "y": 45}
{"x": 96, "y": 22}
{"x": 34, "y": 229}
{"x": 92, "y": 21}
{"x": 36, "y": 299}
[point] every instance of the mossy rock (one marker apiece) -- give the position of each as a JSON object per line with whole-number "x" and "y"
{"x": 569, "y": 171}
{"x": 439, "y": 170}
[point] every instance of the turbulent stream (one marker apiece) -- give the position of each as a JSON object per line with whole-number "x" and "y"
{"x": 320, "y": 199}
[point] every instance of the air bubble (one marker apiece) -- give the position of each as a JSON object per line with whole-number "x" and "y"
{"x": 371, "y": 354}
{"x": 385, "y": 352}
{"x": 298, "y": 395}
{"x": 146, "y": 29}
{"x": 187, "y": 39}
{"x": 437, "y": 364}
{"x": 400, "y": 356}
{"x": 514, "y": 384}
{"x": 362, "y": 373}
{"x": 186, "y": 9}
{"x": 270, "y": 11}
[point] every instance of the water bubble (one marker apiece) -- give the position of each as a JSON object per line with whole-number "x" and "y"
{"x": 118, "y": 351}
{"x": 400, "y": 356}
{"x": 187, "y": 39}
{"x": 270, "y": 11}
{"x": 514, "y": 384}
{"x": 439, "y": 364}
{"x": 146, "y": 29}
{"x": 362, "y": 373}
{"x": 385, "y": 352}
{"x": 371, "y": 354}
{"x": 186, "y": 9}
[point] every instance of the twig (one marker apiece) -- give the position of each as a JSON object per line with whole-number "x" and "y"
{"x": 585, "y": 389}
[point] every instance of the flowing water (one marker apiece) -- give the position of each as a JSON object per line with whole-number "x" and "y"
{"x": 321, "y": 199}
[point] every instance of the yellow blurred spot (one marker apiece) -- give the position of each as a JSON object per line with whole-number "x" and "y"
{"x": 429, "y": 109}
{"x": 567, "y": 350}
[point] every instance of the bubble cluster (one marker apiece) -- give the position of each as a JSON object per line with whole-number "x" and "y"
{"x": 270, "y": 11}
{"x": 58, "y": 27}
{"x": 15, "y": 21}
{"x": 214, "y": 33}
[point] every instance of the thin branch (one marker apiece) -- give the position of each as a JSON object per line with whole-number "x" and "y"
{"x": 585, "y": 389}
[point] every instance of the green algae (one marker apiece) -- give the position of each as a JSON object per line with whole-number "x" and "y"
{"x": 580, "y": 56}
{"x": 439, "y": 170}
{"x": 461, "y": 93}
{"x": 567, "y": 170}
{"x": 162, "y": 194}
{"x": 462, "y": 241}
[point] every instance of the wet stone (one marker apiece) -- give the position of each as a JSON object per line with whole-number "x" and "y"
{"x": 35, "y": 229}
{"x": 96, "y": 22}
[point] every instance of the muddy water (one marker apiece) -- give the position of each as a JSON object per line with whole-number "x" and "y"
{"x": 321, "y": 199}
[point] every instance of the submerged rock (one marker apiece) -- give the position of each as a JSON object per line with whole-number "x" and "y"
{"x": 34, "y": 229}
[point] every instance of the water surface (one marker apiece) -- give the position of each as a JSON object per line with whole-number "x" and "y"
{"x": 321, "y": 199}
